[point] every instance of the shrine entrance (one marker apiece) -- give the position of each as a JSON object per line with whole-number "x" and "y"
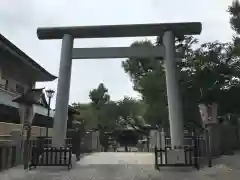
{"x": 167, "y": 52}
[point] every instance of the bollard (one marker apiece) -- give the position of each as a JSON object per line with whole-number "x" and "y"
{"x": 156, "y": 157}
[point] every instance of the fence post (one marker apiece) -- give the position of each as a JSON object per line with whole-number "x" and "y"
{"x": 156, "y": 157}
{"x": 196, "y": 150}
{"x": 3, "y": 157}
{"x": 208, "y": 145}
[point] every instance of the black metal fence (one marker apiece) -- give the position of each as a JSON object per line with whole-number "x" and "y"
{"x": 51, "y": 156}
{"x": 192, "y": 154}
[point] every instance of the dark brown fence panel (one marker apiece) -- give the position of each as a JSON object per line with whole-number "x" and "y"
{"x": 51, "y": 156}
{"x": 191, "y": 154}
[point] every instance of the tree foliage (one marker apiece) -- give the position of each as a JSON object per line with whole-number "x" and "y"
{"x": 208, "y": 72}
{"x": 147, "y": 75}
{"x": 115, "y": 114}
{"x": 234, "y": 11}
{"x": 130, "y": 113}
{"x": 99, "y": 96}
{"x": 86, "y": 113}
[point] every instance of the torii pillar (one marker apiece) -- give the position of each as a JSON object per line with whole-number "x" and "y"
{"x": 175, "y": 111}
{"x": 67, "y": 34}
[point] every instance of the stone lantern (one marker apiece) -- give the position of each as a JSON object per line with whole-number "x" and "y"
{"x": 27, "y": 112}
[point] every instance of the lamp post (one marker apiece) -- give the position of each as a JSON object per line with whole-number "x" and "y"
{"x": 50, "y": 94}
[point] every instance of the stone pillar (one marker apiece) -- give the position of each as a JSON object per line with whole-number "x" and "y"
{"x": 158, "y": 139}
{"x": 6, "y": 154}
{"x": 17, "y": 138}
{"x": 9, "y": 160}
{"x": 162, "y": 139}
{"x": 174, "y": 100}
{"x": 3, "y": 157}
{"x": 62, "y": 98}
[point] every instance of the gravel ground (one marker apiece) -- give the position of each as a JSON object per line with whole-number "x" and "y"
{"x": 126, "y": 166}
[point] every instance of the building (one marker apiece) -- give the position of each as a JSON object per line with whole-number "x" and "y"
{"x": 18, "y": 74}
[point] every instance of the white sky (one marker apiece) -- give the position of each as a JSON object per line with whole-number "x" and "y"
{"x": 19, "y": 20}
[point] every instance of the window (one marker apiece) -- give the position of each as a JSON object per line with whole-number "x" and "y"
{"x": 19, "y": 89}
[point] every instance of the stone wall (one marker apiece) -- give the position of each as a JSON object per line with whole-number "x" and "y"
{"x": 224, "y": 139}
{"x": 11, "y": 151}
{"x": 229, "y": 138}
{"x": 7, "y": 128}
{"x": 11, "y": 133}
{"x": 214, "y": 137}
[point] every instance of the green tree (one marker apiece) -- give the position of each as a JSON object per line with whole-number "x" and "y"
{"x": 130, "y": 112}
{"x": 147, "y": 75}
{"x": 206, "y": 74}
{"x": 87, "y": 113}
{"x": 104, "y": 110}
{"x": 99, "y": 96}
{"x": 234, "y": 11}
{"x": 211, "y": 73}
{"x": 109, "y": 115}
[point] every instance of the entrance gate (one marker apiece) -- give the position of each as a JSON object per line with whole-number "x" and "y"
{"x": 167, "y": 52}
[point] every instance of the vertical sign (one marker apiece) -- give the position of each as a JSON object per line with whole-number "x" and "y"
{"x": 208, "y": 113}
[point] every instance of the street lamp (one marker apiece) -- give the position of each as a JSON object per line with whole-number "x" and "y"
{"x": 50, "y": 94}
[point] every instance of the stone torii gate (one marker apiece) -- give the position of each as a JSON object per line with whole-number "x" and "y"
{"x": 167, "y": 51}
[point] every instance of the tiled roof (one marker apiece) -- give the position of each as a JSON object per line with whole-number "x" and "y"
{"x": 26, "y": 59}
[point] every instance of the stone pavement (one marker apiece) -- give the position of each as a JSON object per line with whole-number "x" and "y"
{"x": 127, "y": 166}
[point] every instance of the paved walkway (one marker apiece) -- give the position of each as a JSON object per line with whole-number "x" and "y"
{"x": 126, "y": 166}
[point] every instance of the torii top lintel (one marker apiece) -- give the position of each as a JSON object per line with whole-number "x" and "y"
{"x": 130, "y": 30}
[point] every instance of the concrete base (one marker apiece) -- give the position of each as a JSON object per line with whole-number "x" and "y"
{"x": 176, "y": 156}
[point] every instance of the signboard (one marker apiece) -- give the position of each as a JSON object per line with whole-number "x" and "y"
{"x": 208, "y": 113}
